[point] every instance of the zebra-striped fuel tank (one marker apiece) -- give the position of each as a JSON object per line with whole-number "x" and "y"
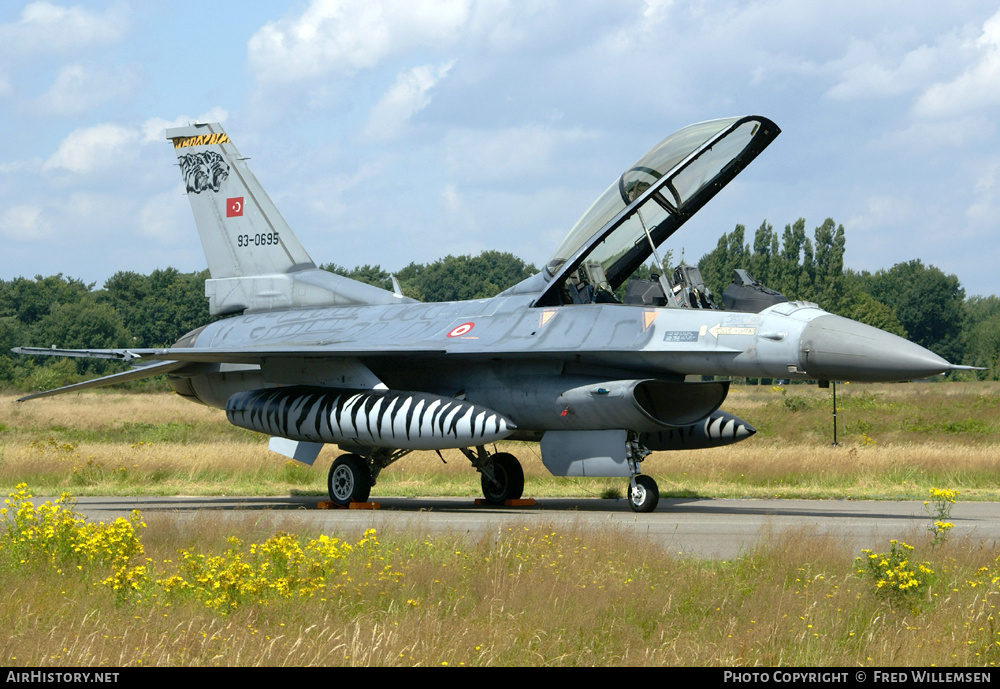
{"x": 717, "y": 429}
{"x": 368, "y": 418}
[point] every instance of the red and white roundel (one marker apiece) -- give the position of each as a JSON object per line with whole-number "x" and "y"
{"x": 461, "y": 329}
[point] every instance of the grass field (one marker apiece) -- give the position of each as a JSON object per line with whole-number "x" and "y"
{"x": 159, "y": 591}
{"x": 894, "y": 441}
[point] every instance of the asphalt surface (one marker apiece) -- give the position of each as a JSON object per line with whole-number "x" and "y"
{"x": 714, "y": 528}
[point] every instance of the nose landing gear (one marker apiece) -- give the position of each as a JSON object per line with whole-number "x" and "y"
{"x": 643, "y": 493}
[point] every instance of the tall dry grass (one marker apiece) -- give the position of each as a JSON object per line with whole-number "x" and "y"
{"x": 894, "y": 441}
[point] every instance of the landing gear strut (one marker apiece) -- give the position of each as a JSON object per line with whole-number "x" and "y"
{"x": 502, "y": 475}
{"x": 643, "y": 493}
{"x": 507, "y": 482}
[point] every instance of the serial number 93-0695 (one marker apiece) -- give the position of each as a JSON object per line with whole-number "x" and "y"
{"x": 262, "y": 239}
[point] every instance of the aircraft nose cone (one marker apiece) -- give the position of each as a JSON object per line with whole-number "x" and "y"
{"x": 836, "y": 348}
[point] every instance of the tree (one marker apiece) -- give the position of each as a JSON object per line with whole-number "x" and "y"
{"x": 158, "y": 309}
{"x": 85, "y": 324}
{"x": 452, "y": 278}
{"x": 372, "y": 275}
{"x": 795, "y": 269}
{"x": 30, "y": 300}
{"x": 864, "y": 308}
{"x": 456, "y": 278}
{"x": 718, "y": 265}
{"x": 764, "y": 262}
{"x": 927, "y": 303}
{"x": 981, "y": 324}
{"x": 828, "y": 276}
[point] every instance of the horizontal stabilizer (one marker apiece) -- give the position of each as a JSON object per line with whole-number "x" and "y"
{"x": 137, "y": 373}
{"x": 116, "y": 354}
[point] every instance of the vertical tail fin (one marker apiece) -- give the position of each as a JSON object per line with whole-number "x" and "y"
{"x": 241, "y": 230}
{"x": 256, "y": 261}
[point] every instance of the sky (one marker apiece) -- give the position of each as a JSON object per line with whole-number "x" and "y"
{"x": 391, "y": 131}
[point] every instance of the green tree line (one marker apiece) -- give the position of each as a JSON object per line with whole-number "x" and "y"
{"x": 914, "y": 300}
{"x": 155, "y": 310}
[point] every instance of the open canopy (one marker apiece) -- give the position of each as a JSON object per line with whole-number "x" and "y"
{"x": 652, "y": 199}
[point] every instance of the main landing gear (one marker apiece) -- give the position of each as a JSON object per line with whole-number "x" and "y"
{"x": 353, "y": 475}
{"x": 350, "y": 480}
{"x": 502, "y": 475}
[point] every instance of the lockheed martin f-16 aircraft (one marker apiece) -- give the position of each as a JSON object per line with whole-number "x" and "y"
{"x": 599, "y": 366}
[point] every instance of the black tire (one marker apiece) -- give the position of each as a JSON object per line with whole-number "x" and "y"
{"x": 648, "y": 494}
{"x": 349, "y": 480}
{"x": 509, "y": 475}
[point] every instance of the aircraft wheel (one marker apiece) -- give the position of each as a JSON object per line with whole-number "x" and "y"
{"x": 645, "y": 496}
{"x": 349, "y": 480}
{"x": 509, "y": 476}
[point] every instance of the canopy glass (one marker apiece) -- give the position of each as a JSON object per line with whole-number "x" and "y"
{"x": 651, "y": 200}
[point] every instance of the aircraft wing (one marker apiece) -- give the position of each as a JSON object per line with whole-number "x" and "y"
{"x": 137, "y": 373}
{"x": 238, "y": 355}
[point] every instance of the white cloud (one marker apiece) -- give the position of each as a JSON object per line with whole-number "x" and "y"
{"x": 164, "y": 218}
{"x": 92, "y": 149}
{"x": 405, "y": 98}
{"x": 344, "y": 36}
{"x": 513, "y": 154}
{"x": 78, "y": 89}
{"x": 44, "y": 28}
{"x": 923, "y": 135}
{"x": 982, "y": 212}
{"x": 451, "y": 200}
{"x": 880, "y": 210}
{"x": 975, "y": 89}
{"x": 154, "y": 129}
{"x": 864, "y": 72}
{"x": 24, "y": 223}
{"x": 656, "y": 11}
{"x": 326, "y": 196}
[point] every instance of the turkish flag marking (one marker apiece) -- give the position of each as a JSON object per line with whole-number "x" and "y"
{"x": 234, "y": 207}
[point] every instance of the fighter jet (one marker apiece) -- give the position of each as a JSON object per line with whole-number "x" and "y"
{"x": 598, "y": 364}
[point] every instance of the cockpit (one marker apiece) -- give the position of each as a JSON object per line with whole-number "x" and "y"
{"x": 603, "y": 259}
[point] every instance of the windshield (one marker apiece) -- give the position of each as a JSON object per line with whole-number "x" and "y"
{"x": 655, "y": 196}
